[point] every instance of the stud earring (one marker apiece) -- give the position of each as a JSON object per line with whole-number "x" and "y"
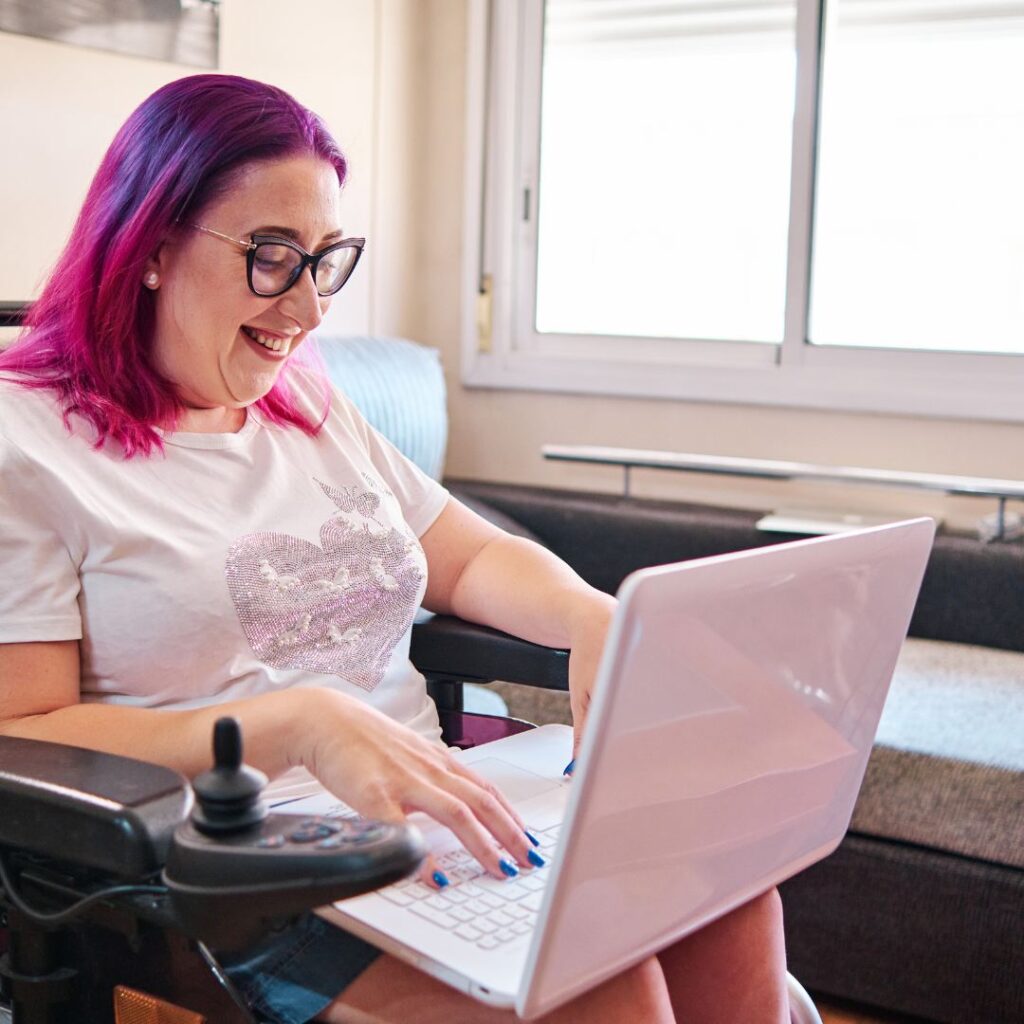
{"x": 151, "y": 280}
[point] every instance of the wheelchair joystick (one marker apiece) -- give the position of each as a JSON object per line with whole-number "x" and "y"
{"x": 234, "y": 870}
{"x": 228, "y": 796}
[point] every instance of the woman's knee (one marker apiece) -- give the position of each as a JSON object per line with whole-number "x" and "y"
{"x": 768, "y": 904}
{"x": 639, "y": 993}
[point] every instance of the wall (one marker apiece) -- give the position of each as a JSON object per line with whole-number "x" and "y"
{"x": 496, "y": 435}
{"x": 60, "y": 106}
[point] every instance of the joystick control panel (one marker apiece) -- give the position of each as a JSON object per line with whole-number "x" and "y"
{"x": 233, "y": 869}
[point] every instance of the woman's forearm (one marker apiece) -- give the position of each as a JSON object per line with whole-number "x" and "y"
{"x": 276, "y": 729}
{"x": 522, "y": 588}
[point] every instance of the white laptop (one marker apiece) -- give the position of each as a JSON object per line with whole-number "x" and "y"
{"x": 735, "y": 708}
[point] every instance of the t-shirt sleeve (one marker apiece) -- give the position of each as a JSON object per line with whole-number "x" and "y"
{"x": 39, "y": 582}
{"x": 421, "y": 498}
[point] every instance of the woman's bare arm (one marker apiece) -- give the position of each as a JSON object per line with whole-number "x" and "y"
{"x": 39, "y": 699}
{"x": 485, "y": 575}
{"x": 379, "y": 767}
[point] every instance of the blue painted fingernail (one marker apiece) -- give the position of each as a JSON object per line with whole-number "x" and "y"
{"x": 509, "y": 869}
{"x": 533, "y": 839}
{"x": 440, "y": 878}
{"x": 570, "y": 767}
{"x": 535, "y": 859}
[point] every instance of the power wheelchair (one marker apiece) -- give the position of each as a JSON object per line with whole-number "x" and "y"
{"x": 117, "y": 890}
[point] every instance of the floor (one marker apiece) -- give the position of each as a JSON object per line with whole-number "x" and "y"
{"x": 833, "y": 1013}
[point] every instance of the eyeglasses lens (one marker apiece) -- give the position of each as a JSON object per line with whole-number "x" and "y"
{"x": 333, "y": 270}
{"x": 275, "y": 268}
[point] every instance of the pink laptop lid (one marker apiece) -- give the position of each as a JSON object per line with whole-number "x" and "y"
{"x": 736, "y": 707}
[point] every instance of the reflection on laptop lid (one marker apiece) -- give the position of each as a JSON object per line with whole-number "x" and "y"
{"x": 734, "y": 712}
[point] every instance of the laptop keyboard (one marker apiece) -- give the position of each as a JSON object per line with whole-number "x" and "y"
{"x": 476, "y": 907}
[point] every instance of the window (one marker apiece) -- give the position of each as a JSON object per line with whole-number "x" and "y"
{"x": 772, "y": 201}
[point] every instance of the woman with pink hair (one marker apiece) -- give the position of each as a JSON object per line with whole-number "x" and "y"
{"x": 193, "y": 523}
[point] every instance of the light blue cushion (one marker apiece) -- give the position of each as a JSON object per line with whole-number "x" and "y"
{"x": 399, "y": 387}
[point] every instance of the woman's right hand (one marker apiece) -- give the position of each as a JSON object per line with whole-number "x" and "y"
{"x": 384, "y": 770}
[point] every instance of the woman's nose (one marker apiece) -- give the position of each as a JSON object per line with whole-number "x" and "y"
{"x": 304, "y": 304}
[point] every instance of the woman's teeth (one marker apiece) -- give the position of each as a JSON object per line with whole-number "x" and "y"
{"x": 274, "y": 344}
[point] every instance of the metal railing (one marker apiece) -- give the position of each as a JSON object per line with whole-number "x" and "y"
{"x": 773, "y": 469}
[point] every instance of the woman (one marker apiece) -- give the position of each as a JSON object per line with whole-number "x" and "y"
{"x": 191, "y": 524}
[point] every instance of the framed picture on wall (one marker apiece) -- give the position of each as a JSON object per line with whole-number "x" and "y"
{"x": 180, "y": 31}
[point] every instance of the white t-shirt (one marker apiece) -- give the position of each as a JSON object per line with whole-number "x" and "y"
{"x": 228, "y": 566}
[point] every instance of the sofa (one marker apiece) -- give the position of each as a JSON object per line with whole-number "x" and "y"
{"x": 920, "y": 911}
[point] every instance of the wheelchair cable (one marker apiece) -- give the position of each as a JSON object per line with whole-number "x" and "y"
{"x": 60, "y": 916}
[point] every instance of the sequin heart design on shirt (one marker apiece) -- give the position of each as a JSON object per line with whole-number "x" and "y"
{"x": 338, "y": 609}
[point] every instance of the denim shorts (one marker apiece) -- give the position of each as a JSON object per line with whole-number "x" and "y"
{"x": 292, "y": 975}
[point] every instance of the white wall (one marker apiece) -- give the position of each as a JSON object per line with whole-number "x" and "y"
{"x": 389, "y": 78}
{"x": 60, "y": 106}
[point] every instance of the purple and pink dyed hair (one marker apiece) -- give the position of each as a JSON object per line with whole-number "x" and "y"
{"x": 90, "y": 331}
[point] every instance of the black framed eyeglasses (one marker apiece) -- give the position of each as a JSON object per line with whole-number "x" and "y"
{"x": 274, "y": 264}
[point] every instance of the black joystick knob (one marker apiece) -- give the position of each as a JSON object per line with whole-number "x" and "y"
{"x": 228, "y": 796}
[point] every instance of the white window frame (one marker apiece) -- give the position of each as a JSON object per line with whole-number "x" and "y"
{"x": 501, "y": 349}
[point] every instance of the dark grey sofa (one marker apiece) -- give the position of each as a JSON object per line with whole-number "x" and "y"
{"x": 921, "y": 909}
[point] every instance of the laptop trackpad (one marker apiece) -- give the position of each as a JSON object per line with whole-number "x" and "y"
{"x": 516, "y": 783}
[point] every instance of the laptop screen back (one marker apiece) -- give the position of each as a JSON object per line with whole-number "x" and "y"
{"x": 734, "y": 714}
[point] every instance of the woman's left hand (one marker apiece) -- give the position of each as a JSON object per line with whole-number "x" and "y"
{"x": 589, "y": 630}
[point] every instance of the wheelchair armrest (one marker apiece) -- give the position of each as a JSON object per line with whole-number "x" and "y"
{"x": 448, "y": 649}
{"x": 110, "y": 813}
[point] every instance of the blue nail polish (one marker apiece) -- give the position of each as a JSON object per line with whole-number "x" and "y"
{"x": 535, "y": 859}
{"x": 533, "y": 839}
{"x": 440, "y": 878}
{"x": 509, "y": 869}
{"x": 570, "y": 767}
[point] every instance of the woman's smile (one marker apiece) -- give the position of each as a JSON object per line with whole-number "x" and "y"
{"x": 274, "y": 345}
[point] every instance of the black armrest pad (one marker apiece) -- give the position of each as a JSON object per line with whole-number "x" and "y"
{"x": 447, "y": 648}
{"x": 103, "y": 811}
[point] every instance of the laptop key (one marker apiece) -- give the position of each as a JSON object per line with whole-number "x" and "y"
{"x": 477, "y": 907}
{"x": 514, "y": 891}
{"x": 396, "y": 896}
{"x": 438, "y": 917}
{"x": 488, "y": 942}
{"x": 462, "y": 914}
{"x": 418, "y": 891}
{"x": 504, "y": 935}
{"x": 533, "y": 901}
{"x": 520, "y": 928}
{"x": 467, "y": 931}
{"x": 500, "y": 917}
{"x": 484, "y": 925}
{"x": 516, "y": 912}
{"x": 491, "y": 900}
{"x": 438, "y": 903}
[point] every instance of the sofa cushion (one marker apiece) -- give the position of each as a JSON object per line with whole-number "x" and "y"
{"x": 957, "y": 701}
{"x": 399, "y": 388}
{"x": 947, "y": 771}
